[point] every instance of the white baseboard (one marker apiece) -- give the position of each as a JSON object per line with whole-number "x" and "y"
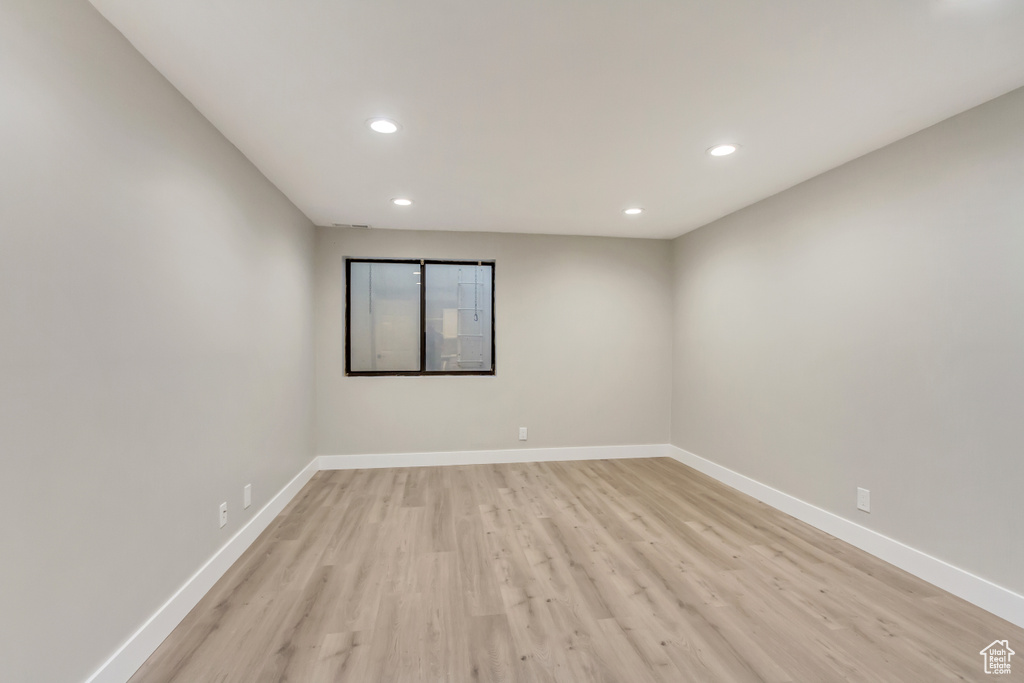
{"x": 358, "y": 462}
{"x": 123, "y": 664}
{"x": 998, "y": 600}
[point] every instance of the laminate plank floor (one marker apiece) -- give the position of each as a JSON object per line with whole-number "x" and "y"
{"x": 612, "y": 571}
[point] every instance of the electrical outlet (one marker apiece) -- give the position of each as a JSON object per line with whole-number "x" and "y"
{"x": 223, "y": 514}
{"x": 247, "y": 495}
{"x": 522, "y": 433}
{"x": 863, "y": 499}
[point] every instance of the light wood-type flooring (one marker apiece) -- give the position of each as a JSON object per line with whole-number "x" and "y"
{"x": 615, "y": 570}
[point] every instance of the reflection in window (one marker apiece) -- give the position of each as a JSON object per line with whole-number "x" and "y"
{"x": 419, "y": 317}
{"x": 458, "y": 317}
{"x": 384, "y": 317}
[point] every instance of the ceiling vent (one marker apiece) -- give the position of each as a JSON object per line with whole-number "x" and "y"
{"x": 362, "y": 226}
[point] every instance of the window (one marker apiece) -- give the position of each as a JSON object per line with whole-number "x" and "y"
{"x": 419, "y": 317}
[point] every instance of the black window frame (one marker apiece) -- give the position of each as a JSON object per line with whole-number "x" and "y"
{"x": 423, "y": 319}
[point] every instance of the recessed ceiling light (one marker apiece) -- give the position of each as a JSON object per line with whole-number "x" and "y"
{"x": 401, "y": 201}
{"x": 383, "y": 125}
{"x": 723, "y": 150}
{"x": 633, "y": 211}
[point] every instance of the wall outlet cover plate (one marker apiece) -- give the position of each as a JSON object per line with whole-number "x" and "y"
{"x": 863, "y": 499}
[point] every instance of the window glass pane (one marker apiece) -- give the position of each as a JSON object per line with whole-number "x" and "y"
{"x": 384, "y": 317}
{"x": 459, "y": 317}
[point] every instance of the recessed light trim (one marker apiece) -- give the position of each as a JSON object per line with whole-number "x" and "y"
{"x": 723, "y": 150}
{"x": 633, "y": 211}
{"x": 386, "y": 126}
{"x": 401, "y": 201}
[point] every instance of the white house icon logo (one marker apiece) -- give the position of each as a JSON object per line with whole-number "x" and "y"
{"x": 997, "y": 657}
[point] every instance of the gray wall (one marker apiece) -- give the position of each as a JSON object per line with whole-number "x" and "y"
{"x": 156, "y": 337}
{"x": 866, "y": 328}
{"x": 583, "y": 348}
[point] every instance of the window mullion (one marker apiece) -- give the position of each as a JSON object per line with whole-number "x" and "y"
{"x": 423, "y": 315}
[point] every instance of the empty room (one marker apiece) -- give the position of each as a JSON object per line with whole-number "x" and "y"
{"x": 346, "y": 341}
